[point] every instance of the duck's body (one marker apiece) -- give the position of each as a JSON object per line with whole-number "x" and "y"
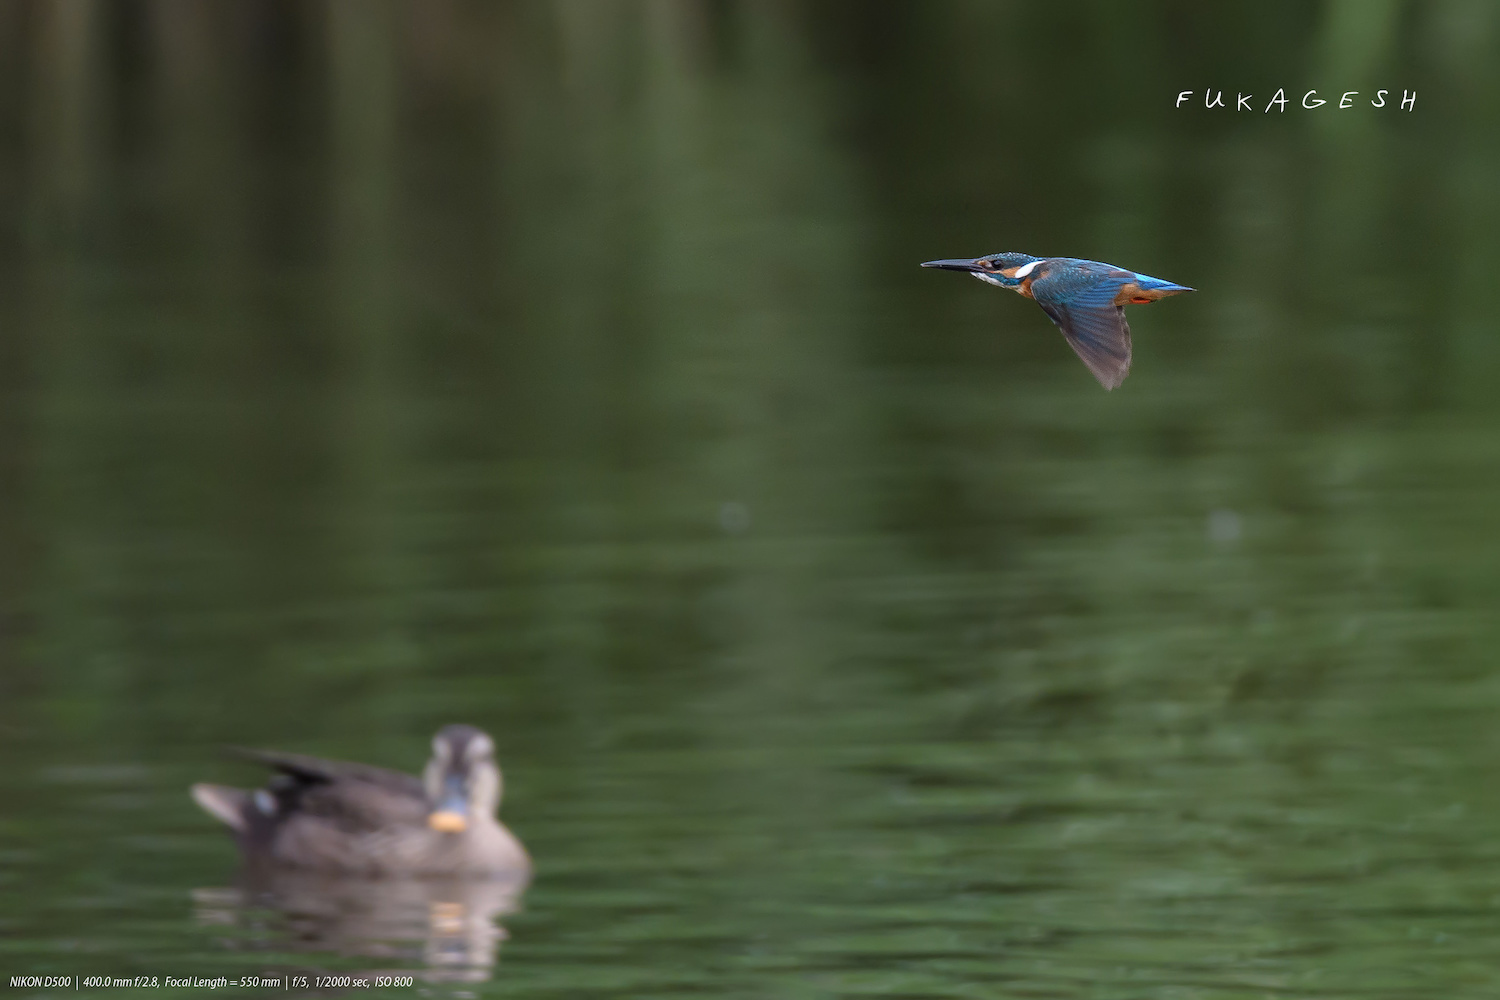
{"x": 1085, "y": 298}
{"x": 334, "y": 816}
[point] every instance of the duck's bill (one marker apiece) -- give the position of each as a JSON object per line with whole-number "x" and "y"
{"x": 452, "y": 813}
{"x": 448, "y": 821}
{"x": 955, "y": 264}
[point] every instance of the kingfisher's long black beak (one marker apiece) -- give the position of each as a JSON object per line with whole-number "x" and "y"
{"x": 969, "y": 264}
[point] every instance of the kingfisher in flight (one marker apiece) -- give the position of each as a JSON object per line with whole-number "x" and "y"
{"x": 1086, "y": 299}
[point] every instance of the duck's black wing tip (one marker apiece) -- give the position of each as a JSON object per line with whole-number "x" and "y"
{"x": 308, "y": 770}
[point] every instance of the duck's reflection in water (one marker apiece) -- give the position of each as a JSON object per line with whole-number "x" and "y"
{"x": 441, "y": 930}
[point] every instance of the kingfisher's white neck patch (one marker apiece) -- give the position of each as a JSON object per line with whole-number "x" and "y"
{"x": 1022, "y": 272}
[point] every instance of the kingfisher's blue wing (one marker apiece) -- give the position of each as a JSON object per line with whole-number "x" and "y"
{"x": 1151, "y": 284}
{"x": 1083, "y": 307}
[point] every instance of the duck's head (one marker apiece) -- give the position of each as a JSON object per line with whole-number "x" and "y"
{"x": 462, "y": 780}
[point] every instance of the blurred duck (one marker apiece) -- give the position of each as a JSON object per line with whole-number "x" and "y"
{"x": 354, "y": 819}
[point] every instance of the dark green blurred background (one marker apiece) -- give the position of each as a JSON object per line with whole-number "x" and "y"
{"x": 566, "y": 369}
